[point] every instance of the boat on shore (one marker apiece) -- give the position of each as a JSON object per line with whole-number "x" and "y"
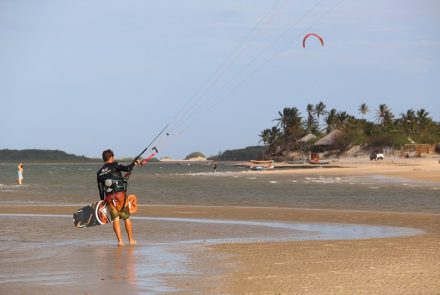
{"x": 260, "y": 168}
{"x": 259, "y": 165}
{"x": 320, "y": 162}
{"x": 262, "y": 162}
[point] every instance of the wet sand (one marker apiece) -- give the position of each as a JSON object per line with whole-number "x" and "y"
{"x": 87, "y": 261}
{"x": 160, "y": 264}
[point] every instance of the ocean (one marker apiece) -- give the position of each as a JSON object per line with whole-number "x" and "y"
{"x": 197, "y": 184}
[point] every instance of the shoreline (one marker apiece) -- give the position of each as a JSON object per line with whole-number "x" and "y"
{"x": 427, "y": 169}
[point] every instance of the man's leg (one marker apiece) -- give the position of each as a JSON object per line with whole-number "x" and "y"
{"x": 129, "y": 229}
{"x": 117, "y": 229}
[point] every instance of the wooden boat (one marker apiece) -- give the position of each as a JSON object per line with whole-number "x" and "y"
{"x": 261, "y": 165}
{"x": 318, "y": 162}
{"x": 262, "y": 162}
{"x": 260, "y": 168}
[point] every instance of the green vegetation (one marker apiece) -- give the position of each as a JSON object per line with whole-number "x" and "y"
{"x": 195, "y": 155}
{"x": 388, "y": 130}
{"x": 34, "y": 155}
{"x": 246, "y": 154}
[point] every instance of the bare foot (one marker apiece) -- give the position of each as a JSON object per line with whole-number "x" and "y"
{"x": 120, "y": 243}
{"x": 132, "y": 242}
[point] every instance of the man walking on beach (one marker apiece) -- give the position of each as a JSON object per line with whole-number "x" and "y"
{"x": 113, "y": 189}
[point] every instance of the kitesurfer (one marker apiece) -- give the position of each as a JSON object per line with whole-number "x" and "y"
{"x": 113, "y": 189}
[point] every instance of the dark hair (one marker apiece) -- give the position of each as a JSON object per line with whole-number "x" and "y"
{"x": 107, "y": 154}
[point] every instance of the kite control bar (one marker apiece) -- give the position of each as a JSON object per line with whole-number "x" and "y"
{"x": 145, "y": 161}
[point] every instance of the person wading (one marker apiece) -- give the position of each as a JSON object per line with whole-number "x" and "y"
{"x": 20, "y": 173}
{"x": 113, "y": 189}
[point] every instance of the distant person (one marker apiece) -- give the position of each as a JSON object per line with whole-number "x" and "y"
{"x": 113, "y": 189}
{"x": 20, "y": 173}
{"x": 214, "y": 167}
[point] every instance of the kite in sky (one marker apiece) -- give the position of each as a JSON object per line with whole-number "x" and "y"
{"x": 315, "y": 35}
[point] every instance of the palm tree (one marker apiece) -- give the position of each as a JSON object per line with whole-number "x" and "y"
{"x": 274, "y": 136}
{"x": 363, "y": 109}
{"x": 388, "y": 119}
{"x": 422, "y": 119}
{"x": 310, "y": 119}
{"x": 310, "y": 109}
{"x": 294, "y": 123}
{"x": 331, "y": 120}
{"x": 283, "y": 118}
{"x": 319, "y": 110}
{"x": 384, "y": 115}
{"x": 270, "y": 138}
{"x": 342, "y": 119}
{"x": 408, "y": 120}
{"x": 265, "y": 136}
{"x": 380, "y": 113}
{"x": 290, "y": 121}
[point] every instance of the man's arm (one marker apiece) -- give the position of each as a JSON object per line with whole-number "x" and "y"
{"x": 126, "y": 168}
{"x": 100, "y": 189}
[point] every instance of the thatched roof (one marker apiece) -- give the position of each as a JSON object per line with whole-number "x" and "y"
{"x": 329, "y": 139}
{"x": 307, "y": 138}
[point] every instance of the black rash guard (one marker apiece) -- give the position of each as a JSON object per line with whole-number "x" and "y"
{"x": 112, "y": 171}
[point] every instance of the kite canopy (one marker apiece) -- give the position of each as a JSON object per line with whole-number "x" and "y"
{"x": 315, "y": 35}
{"x": 132, "y": 203}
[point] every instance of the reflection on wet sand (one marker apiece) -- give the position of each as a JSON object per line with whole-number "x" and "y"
{"x": 88, "y": 261}
{"x": 121, "y": 262}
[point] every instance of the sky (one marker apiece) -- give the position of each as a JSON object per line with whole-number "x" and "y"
{"x": 83, "y": 76}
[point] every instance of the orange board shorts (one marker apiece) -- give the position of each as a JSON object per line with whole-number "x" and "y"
{"x": 117, "y": 206}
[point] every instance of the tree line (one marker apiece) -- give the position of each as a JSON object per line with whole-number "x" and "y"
{"x": 36, "y": 155}
{"x": 244, "y": 154}
{"x": 387, "y": 129}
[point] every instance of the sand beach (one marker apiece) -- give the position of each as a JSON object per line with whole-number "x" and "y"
{"x": 199, "y": 249}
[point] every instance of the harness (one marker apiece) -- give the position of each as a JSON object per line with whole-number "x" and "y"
{"x": 114, "y": 203}
{"x": 113, "y": 186}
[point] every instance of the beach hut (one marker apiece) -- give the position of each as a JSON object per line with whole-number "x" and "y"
{"x": 304, "y": 145}
{"x": 328, "y": 142}
{"x": 307, "y": 138}
{"x": 416, "y": 150}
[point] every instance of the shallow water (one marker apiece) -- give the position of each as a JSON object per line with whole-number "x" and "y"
{"x": 172, "y": 184}
{"x": 35, "y": 253}
{"x": 47, "y": 255}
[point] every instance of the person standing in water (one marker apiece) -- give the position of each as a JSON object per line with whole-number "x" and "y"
{"x": 20, "y": 173}
{"x": 113, "y": 189}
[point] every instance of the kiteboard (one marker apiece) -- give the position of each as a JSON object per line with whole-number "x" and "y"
{"x": 98, "y": 213}
{"x": 91, "y": 215}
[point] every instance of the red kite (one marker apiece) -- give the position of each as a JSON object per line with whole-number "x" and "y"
{"x": 312, "y": 34}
